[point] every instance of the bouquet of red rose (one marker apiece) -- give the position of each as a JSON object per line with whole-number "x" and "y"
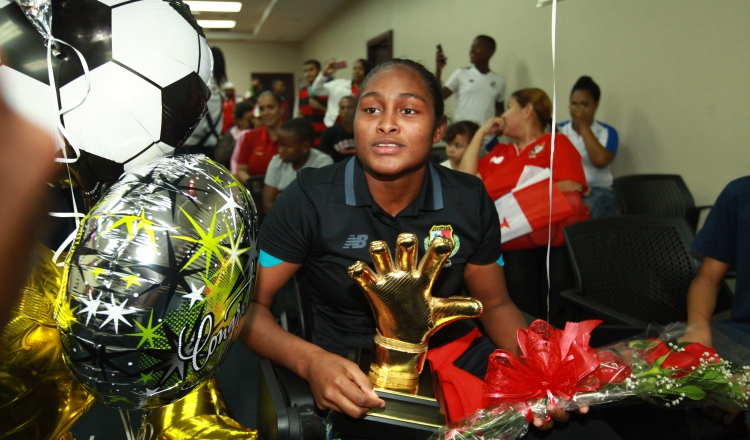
{"x": 559, "y": 366}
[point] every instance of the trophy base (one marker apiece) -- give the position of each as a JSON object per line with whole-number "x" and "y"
{"x": 405, "y": 416}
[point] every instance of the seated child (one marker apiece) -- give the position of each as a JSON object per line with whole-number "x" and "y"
{"x": 457, "y": 136}
{"x": 295, "y": 139}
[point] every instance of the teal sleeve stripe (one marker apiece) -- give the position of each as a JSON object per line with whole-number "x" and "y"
{"x": 267, "y": 260}
{"x": 499, "y": 261}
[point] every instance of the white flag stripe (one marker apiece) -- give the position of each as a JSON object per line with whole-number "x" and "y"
{"x": 513, "y": 223}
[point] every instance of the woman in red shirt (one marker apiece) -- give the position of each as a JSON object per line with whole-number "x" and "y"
{"x": 257, "y": 146}
{"x": 526, "y": 120}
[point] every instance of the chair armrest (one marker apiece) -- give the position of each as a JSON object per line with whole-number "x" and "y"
{"x": 607, "y": 313}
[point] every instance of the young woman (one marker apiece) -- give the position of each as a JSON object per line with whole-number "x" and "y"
{"x": 597, "y": 142}
{"x": 324, "y": 220}
{"x": 527, "y": 118}
{"x": 256, "y": 147}
{"x": 338, "y": 88}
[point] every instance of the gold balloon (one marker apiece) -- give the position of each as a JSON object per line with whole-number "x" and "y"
{"x": 39, "y": 398}
{"x": 201, "y": 414}
{"x": 405, "y": 311}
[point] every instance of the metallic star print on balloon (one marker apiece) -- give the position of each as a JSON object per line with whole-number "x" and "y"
{"x": 168, "y": 308}
{"x": 134, "y": 224}
{"x": 146, "y": 378}
{"x": 209, "y": 243}
{"x": 234, "y": 251}
{"x": 116, "y": 313}
{"x": 147, "y": 333}
{"x": 92, "y": 305}
{"x": 131, "y": 279}
{"x": 194, "y": 295}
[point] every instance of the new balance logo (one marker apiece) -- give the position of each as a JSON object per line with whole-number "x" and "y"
{"x": 356, "y": 241}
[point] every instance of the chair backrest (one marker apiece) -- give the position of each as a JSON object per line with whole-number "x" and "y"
{"x": 660, "y": 195}
{"x": 637, "y": 265}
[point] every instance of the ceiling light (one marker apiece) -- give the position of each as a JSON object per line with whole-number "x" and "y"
{"x": 214, "y": 6}
{"x": 217, "y": 24}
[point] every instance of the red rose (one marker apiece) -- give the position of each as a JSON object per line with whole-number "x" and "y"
{"x": 685, "y": 361}
{"x": 652, "y": 354}
{"x": 612, "y": 369}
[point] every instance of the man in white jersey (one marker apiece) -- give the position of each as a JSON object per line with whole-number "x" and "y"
{"x": 480, "y": 93}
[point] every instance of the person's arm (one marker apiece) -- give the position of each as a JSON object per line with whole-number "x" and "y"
{"x": 336, "y": 383}
{"x": 501, "y": 318}
{"x": 318, "y": 86}
{"x": 702, "y": 300}
{"x": 28, "y": 164}
{"x": 470, "y": 160}
{"x": 599, "y": 155}
{"x": 567, "y": 171}
{"x": 243, "y": 156}
{"x": 242, "y": 173}
{"x": 269, "y": 196}
{"x": 317, "y": 105}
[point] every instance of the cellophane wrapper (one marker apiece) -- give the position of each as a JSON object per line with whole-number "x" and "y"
{"x": 640, "y": 368}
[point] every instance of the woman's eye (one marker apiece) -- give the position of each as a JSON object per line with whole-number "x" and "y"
{"x": 370, "y": 110}
{"x": 410, "y": 111}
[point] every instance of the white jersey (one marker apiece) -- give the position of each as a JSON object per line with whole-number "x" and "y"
{"x": 607, "y": 136}
{"x": 476, "y": 94}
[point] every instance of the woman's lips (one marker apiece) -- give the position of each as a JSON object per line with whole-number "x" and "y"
{"x": 387, "y": 147}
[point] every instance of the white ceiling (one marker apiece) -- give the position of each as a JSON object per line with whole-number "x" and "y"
{"x": 273, "y": 20}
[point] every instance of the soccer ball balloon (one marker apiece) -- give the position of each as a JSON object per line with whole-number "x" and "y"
{"x": 149, "y": 69}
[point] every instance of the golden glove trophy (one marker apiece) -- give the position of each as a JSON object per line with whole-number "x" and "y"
{"x": 406, "y": 315}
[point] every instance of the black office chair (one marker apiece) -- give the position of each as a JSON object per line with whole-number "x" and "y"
{"x": 631, "y": 271}
{"x": 660, "y": 195}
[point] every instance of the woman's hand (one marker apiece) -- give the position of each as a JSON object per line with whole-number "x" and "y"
{"x": 582, "y": 117}
{"x": 570, "y": 186}
{"x": 557, "y": 415}
{"x": 494, "y": 125}
{"x": 338, "y": 384}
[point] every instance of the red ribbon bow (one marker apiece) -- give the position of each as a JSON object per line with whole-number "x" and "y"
{"x": 557, "y": 363}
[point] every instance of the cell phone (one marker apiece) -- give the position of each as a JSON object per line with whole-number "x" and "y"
{"x": 440, "y": 47}
{"x": 340, "y": 64}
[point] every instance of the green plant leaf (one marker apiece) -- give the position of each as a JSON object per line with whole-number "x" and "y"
{"x": 691, "y": 392}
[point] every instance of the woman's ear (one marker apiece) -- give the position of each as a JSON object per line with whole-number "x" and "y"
{"x": 440, "y": 129}
{"x": 528, "y": 111}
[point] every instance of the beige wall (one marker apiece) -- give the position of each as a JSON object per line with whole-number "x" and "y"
{"x": 244, "y": 58}
{"x": 674, "y": 73}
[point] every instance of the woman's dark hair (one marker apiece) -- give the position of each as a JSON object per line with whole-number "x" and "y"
{"x": 539, "y": 101}
{"x": 466, "y": 128}
{"x": 241, "y": 108}
{"x": 220, "y": 66}
{"x": 587, "y": 84}
{"x": 432, "y": 84}
{"x": 271, "y": 94}
{"x": 365, "y": 65}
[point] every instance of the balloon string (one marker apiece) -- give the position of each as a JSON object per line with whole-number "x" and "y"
{"x": 552, "y": 148}
{"x": 125, "y": 416}
{"x": 76, "y": 215}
